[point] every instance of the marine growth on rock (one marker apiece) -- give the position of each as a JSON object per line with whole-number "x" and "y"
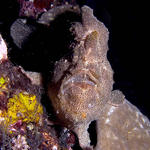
{"x": 23, "y": 122}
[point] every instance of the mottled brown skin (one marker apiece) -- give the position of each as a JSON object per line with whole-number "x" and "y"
{"x": 81, "y": 91}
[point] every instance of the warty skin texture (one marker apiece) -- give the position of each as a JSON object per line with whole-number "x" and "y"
{"x": 85, "y": 80}
{"x": 81, "y": 91}
{"x": 80, "y": 94}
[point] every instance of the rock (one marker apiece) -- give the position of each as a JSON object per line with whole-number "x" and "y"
{"x": 23, "y": 123}
{"x": 35, "y": 77}
{"x": 123, "y": 127}
{"x": 49, "y": 16}
{"x": 33, "y": 8}
{"x": 20, "y": 32}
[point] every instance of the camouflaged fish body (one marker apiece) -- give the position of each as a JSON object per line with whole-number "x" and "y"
{"x": 81, "y": 91}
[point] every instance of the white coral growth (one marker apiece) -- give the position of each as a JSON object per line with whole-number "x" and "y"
{"x": 3, "y": 49}
{"x": 20, "y": 143}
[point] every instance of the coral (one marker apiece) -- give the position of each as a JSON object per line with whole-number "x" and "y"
{"x": 23, "y": 123}
{"x": 20, "y": 143}
{"x": 67, "y": 138}
{"x": 23, "y": 107}
{"x": 36, "y": 7}
{"x": 3, "y": 92}
{"x": 49, "y": 142}
{"x": 28, "y": 9}
{"x": 3, "y": 50}
{"x": 19, "y": 98}
{"x": 2, "y": 82}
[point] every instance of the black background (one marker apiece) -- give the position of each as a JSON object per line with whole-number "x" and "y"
{"x": 127, "y": 22}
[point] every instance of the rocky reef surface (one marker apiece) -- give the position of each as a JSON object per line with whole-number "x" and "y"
{"x": 23, "y": 122}
{"x": 78, "y": 85}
